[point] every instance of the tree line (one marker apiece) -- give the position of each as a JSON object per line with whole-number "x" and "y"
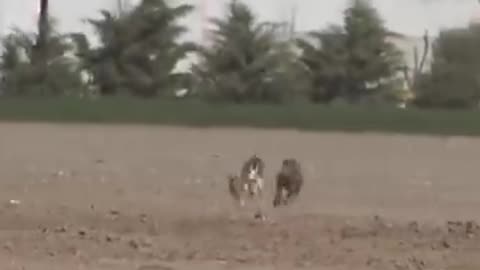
{"x": 245, "y": 61}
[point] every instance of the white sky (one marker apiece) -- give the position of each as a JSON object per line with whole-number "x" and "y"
{"x": 405, "y": 16}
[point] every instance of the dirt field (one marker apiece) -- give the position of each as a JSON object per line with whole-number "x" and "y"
{"x": 155, "y": 198}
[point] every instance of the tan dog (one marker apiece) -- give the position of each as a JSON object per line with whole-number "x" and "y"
{"x": 252, "y": 175}
{"x": 250, "y": 182}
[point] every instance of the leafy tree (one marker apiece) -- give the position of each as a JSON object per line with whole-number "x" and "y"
{"x": 325, "y": 55}
{"x": 246, "y": 61}
{"x": 26, "y": 70}
{"x": 372, "y": 60}
{"x": 454, "y": 78}
{"x": 353, "y": 62}
{"x": 139, "y": 49}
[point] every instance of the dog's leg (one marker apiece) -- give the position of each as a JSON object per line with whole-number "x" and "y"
{"x": 278, "y": 200}
{"x": 291, "y": 196}
{"x": 259, "y": 194}
{"x": 260, "y": 182}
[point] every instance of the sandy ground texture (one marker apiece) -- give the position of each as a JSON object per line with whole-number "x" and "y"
{"x": 155, "y": 198}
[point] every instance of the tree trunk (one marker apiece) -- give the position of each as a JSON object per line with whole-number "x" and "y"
{"x": 40, "y": 50}
{"x": 42, "y": 35}
{"x": 43, "y": 24}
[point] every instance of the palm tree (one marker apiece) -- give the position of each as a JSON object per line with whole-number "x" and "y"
{"x": 138, "y": 50}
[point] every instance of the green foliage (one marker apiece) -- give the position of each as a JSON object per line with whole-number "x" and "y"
{"x": 246, "y": 62}
{"x": 302, "y": 116}
{"x": 56, "y": 75}
{"x": 326, "y": 59}
{"x": 454, "y": 80}
{"x": 354, "y": 62}
{"x": 371, "y": 58}
{"x": 139, "y": 49}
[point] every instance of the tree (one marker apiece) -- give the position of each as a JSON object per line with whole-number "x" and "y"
{"x": 353, "y": 62}
{"x": 139, "y": 49}
{"x": 246, "y": 62}
{"x": 417, "y": 72}
{"x": 454, "y": 78}
{"x": 325, "y": 56}
{"x": 372, "y": 59}
{"x": 29, "y": 71}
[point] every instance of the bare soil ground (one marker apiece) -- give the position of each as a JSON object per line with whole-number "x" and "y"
{"x": 155, "y": 198}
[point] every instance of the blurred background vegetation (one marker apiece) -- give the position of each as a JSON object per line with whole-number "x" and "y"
{"x": 248, "y": 67}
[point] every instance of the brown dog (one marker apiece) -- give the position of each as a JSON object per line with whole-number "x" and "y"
{"x": 289, "y": 182}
